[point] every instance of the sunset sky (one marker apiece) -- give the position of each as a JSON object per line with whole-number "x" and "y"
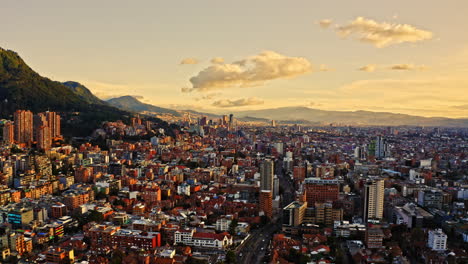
{"x": 220, "y": 56}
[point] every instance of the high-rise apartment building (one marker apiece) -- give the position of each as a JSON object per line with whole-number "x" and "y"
{"x": 231, "y": 121}
{"x": 53, "y": 120}
{"x": 360, "y": 153}
{"x": 266, "y": 202}
{"x": 381, "y": 148}
{"x": 23, "y": 126}
{"x": 225, "y": 120}
{"x": 39, "y": 120}
{"x": 203, "y": 121}
{"x": 374, "y": 191}
{"x": 267, "y": 172}
{"x": 8, "y": 133}
{"x": 44, "y": 140}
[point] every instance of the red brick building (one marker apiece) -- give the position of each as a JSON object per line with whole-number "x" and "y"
{"x": 299, "y": 173}
{"x": 59, "y": 210}
{"x": 266, "y": 202}
{"x": 321, "y": 190}
{"x": 23, "y": 126}
{"x": 83, "y": 174}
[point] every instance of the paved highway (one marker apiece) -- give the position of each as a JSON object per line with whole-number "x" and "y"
{"x": 254, "y": 249}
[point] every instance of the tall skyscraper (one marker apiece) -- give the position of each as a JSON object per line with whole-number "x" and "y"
{"x": 267, "y": 169}
{"x": 39, "y": 120}
{"x": 148, "y": 125}
{"x": 381, "y": 148}
{"x": 23, "y": 126}
{"x": 266, "y": 202}
{"x": 44, "y": 140}
{"x": 54, "y": 124}
{"x": 136, "y": 121}
{"x": 231, "y": 121}
{"x": 267, "y": 172}
{"x": 374, "y": 191}
{"x": 8, "y": 133}
{"x": 225, "y": 120}
{"x": 360, "y": 152}
{"x": 203, "y": 121}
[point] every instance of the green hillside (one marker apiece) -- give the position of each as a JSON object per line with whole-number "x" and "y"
{"x": 22, "y": 88}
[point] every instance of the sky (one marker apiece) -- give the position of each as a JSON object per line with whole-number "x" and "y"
{"x": 221, "y": 56}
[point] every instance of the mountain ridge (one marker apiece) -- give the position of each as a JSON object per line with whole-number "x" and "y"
{"x": 131, "y": 103}
{"x": 83, "y": 92}
{"x": 358, "y": 117}
{"x": 23, "y": 88}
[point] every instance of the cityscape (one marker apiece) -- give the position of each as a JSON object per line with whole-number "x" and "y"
{"x": 247, "y": 161}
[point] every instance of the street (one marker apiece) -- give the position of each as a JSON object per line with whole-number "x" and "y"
{"x": 255, "y": 248}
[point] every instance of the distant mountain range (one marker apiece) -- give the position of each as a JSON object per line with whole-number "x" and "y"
{"x": 302, "y": 115}
{"x": 130, "y": 103}
{"x": 307, "y": 115}
{"x": 23, "y": 88}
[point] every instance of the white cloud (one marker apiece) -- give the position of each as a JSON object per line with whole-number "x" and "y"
{"x": 407, "y": 67}
{"x": 368, "y": 68}
{"x": 189, "y": 61}
{"x": 325, "y": 23}
{"x": 217, "y": 60}
{"x": 208, "y": 97}
{"x": 325, "y": 68}
{"x": 382, "y": 34}
{"x": 392, "y": 85}
{"x": 252, "y": 71}
{"x": 394, "y": 67}
{"x": 185, "y": 90}
{"x": 226, "y": 103}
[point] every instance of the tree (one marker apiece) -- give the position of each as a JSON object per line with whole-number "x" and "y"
{"x": 339, "y": 256}
{"x": 101, "y": 195}
{"x": 297, "y": 257}
{"x": 232, "y": 226}
{"x": 417, "y": 235}
{"x": 15, "y": 149}
{"x": 118, "y": 202}
{"x": 231, "y": 257}
{"x": 192, "y": 260}
{"x": 117, "y": 257}
{"x": 95, "y": 216}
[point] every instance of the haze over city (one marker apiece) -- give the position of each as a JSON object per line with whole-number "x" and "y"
{"x": 233, "y": 132}
{"x": 217, "y": 56}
